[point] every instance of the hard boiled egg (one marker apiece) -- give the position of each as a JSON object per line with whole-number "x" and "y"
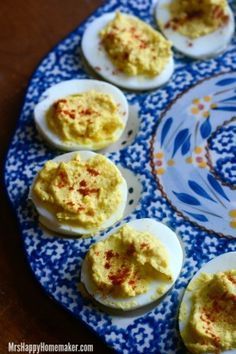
{"x": 205, "y": 46}
{"x": 98, "y": 59}
{"x": 158, "y": 287}
{"x": 72, "y": 87}
{"x": 48, "y": 218}
{"x": 222, "y": 263}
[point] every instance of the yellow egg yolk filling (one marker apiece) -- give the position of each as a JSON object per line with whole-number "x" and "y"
{"x": 194, "y": 18}
{"x": 127, "y": 262}
{"x": 89, "y": 118}
{"x": 134, "y": 47}
{"x": 212, "y": 324}
{"x": 80, "y": 193}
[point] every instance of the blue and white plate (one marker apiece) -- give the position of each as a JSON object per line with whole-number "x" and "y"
{"x": 194, "y": 154}
{"x": 183, "y": 158}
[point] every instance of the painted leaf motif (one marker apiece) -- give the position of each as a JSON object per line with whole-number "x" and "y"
{"x": 217, "y": 187}
{"x": 233, "y": 98}
{"x": 186, "y": 146}
{"x": 186, "y": 198}
{"x": 179, "y": 140}
{"x": 199, "y": 190}
{"x": 205, "y": 128}
{"x": 199, "y": 217}
{"x": 165, "y": 129}
{"x": 225, "y": 108}
{"x": 225, "y": 82}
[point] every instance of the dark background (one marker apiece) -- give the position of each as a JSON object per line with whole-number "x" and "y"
{"x": 28, "y": 30}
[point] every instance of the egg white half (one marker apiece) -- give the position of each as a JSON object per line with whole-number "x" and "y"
{"x": 49, "y": 220}
{"x": 172, "y": 244}
{"x": 206, "y": 46}
{"x": 101, "y": 63}
{"x": 221, "y": 263}
{"x": 71, "y": 87}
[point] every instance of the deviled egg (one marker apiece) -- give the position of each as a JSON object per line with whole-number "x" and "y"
{"x": 128, "y": 52}
{"x": 133, "y": 265}
{"x": 199, "y": 29}
{"x": 81, "y": 114}
{"x": 79, "y": 193}
{"x": 207, "y": 318}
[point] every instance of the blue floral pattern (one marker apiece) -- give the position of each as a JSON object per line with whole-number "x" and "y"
{"x": 222, "y": 152}
{"x": 189, "y": 142}
{"x": 56, "y": 261}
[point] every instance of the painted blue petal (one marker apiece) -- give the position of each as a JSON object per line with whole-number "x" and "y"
{"x": 229, "y": 99}
{"x": 199, "y": 190}
{"x": 217, "y": 187}
{"x": 205, "y": 128}
{"x": 186, "y": 146}
{"x": 179, "y": 140}
{"x": 186, "y": 198}
{"x": 165, "y": 129}
{"x": 225, "y": 82}
{"x": 198, "y": 217}
{"x": 225, "y": 108}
